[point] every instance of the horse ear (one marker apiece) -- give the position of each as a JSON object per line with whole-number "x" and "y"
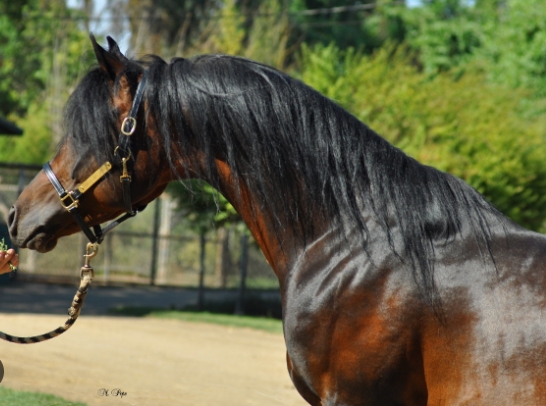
{"x": 114, "y": 49}
{"x": 112, "y": 61}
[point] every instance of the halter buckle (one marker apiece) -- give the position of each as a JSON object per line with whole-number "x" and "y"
{"x": 74, "y": 202}
{"x": 130, "y": 123}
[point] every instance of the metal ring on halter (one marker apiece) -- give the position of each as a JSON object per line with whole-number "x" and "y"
{"x": 131, "y": 121}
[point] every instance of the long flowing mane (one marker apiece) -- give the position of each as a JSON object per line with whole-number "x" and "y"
{"x": 294, "y": 149}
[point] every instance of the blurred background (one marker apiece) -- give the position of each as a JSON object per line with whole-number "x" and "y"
{"x": 459, "y": 85}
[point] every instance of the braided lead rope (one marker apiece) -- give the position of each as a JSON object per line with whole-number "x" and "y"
{"x": 87, "y": 275}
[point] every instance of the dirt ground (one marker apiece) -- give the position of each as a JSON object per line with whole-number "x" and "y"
{"x": 132, "y": 361}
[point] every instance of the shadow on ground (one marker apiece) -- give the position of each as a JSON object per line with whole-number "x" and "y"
{"x": 40, "y": 298}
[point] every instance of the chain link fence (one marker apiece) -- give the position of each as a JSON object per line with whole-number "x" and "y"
{"x": 156, "y": 247}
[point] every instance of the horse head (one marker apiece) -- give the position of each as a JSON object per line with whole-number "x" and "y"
{"x": 94, "y": 115}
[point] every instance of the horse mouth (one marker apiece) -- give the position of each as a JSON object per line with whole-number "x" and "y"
{"x": 40, "y": 241}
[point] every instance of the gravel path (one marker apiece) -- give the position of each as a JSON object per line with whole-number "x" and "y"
{"x": 150, "y": 361}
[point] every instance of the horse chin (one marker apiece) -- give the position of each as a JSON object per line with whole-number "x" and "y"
{"x": 42, "y": 243}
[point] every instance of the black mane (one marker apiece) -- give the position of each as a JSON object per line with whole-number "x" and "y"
{"x": 294, "y": 148}
{"x": 90, "y": 119}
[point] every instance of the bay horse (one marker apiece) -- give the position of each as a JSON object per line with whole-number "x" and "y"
{"x": 400, "y": 284}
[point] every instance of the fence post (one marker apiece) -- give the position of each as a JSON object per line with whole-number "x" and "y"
{"x": 22, "y": 181}
{"x": 201, "y": 288}
{"x": 153, "y": 265}
{"x": 107, "y": 256}
{"x": 82, "y": 244}
{"x": 243, "y": 262}
{"x": 223, "y": 256}
{"x": 164, "y": 244}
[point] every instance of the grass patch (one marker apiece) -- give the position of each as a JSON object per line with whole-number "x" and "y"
{"x": 259, "y": 323}
{"x": 11, "y": 397}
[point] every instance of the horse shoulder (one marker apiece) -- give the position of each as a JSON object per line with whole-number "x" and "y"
{"x": 351, "y": 328}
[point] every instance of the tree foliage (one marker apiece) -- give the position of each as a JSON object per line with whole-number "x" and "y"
{"x": 203, "y": 206}
{"x": 514, "y": 45}
{"x": 42, "y": 55}
{"x": 318, "y": 21}
{"x": 18, "y": 67}
{"x": 505, "y": 39}
{"x": 255, "y": 29}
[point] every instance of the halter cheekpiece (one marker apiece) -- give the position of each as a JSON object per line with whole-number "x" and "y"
{"x": 70, "y": 199}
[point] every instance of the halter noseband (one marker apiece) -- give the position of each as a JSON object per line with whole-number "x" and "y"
{"x": 70, "y": 199}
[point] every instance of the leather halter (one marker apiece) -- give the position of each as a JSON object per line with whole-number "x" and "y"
{"x": 70, "y": 199}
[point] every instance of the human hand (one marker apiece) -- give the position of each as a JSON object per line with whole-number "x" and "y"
{"x": 8, "y": 261}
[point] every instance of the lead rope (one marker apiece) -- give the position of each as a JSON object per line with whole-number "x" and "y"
{"x": 86, "y": 274}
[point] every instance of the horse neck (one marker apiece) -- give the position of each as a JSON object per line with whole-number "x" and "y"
{"x": 278, "y": 246}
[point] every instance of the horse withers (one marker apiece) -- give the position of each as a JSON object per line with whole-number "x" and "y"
{"x": 400, "y": 284}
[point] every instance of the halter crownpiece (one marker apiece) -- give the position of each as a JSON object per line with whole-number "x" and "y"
{"x": 123, "y": 150}
{"x": 70, "y": 199}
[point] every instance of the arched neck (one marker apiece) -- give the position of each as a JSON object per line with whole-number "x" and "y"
{"x": 277, "y": 247}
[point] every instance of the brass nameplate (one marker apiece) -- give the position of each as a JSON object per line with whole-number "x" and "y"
{"x": 94, "y": 178}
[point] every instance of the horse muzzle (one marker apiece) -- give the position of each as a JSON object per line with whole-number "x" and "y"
{"x": 29, "y": 231}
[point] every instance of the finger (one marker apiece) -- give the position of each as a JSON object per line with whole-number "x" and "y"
{"x": 7, "y": 257}
{"x": 4, "y": 263}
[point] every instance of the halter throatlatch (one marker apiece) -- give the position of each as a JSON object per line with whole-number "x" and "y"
{"x": 70, "y": 199}
{"x": 86, "y": 274}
